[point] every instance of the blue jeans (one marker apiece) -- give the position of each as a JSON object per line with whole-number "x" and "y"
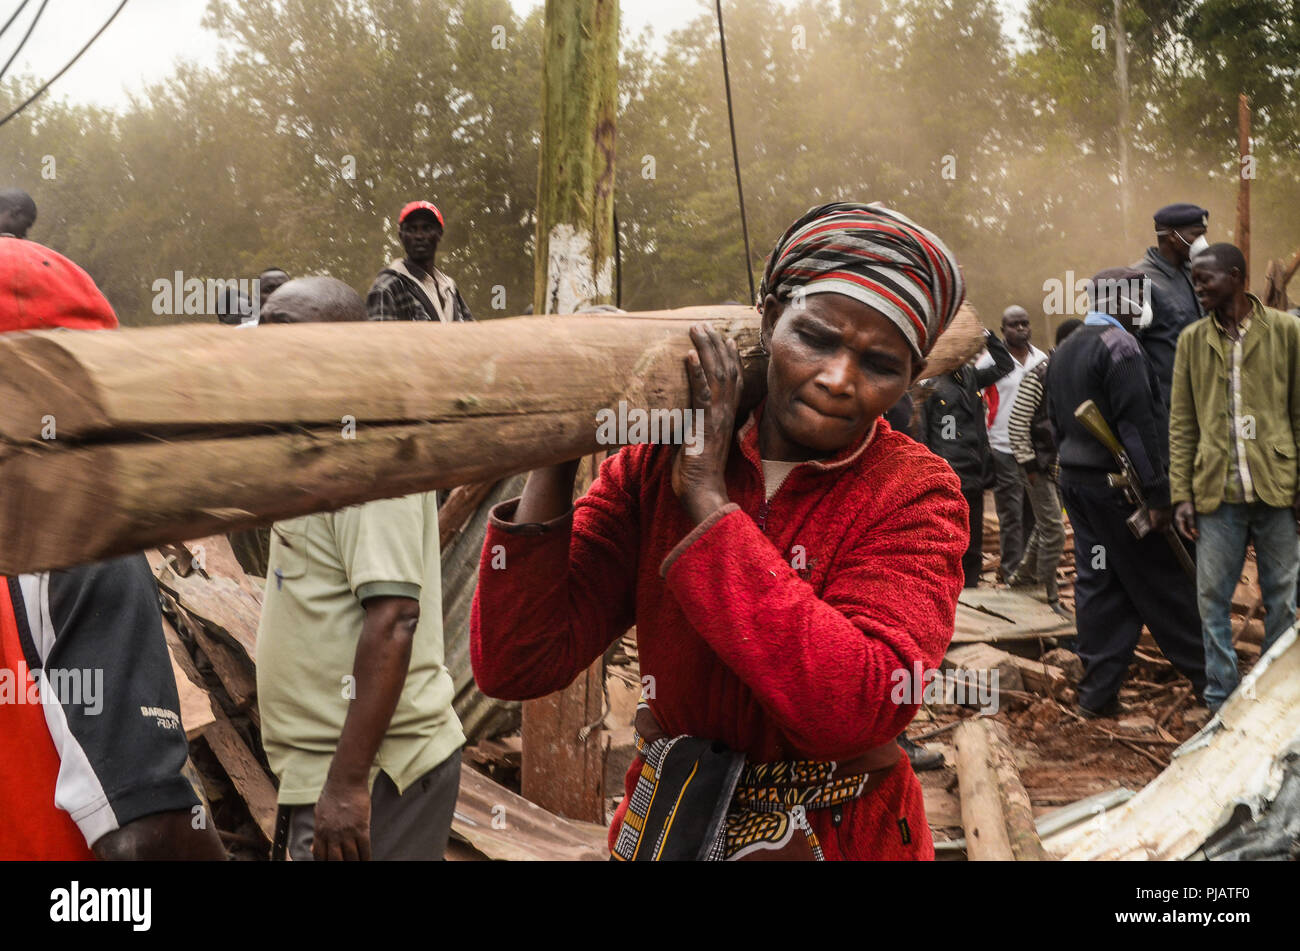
{"x": 1220, "y": 554}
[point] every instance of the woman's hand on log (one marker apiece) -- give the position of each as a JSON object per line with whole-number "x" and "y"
{"x": 699, "y": 471}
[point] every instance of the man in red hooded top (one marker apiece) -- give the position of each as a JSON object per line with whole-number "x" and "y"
{"x": 91, "y": 743}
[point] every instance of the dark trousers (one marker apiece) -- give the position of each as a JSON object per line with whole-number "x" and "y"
{"x": 1123, "y": 583}
{"x": 973, "y": 560}
{"x": 1015, "y": 514}
{"x": 409, "y": 826}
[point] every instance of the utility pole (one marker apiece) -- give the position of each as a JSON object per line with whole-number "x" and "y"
{"x": 573, "y": 264}
{"x": 1121, "y": 69}
{"x": 564, "y": 747}
{"x": 1244, "y": 174}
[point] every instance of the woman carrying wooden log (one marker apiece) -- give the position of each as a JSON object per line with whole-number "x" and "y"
{"x": 789, "y": 581}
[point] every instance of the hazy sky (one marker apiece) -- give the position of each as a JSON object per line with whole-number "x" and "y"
{"x": 150, "y": 35}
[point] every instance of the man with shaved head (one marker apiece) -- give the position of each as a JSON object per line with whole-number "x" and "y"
{"x": 1234, "y": 438}
{"x": 17, "y": 212}
{"x": 355, "y": 699}
{"x": 1010, "y": 490}
{"x": 307, "y": 300}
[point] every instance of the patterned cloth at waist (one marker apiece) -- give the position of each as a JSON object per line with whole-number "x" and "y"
{"x": 757, "y": 808}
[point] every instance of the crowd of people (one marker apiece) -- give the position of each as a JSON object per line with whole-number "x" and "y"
{"x": 1200, "y": 383}
{"x": 778, "y": 579}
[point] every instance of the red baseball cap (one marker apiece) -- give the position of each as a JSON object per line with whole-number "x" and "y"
{"x": 41, "y": 289}
{"x": 421, "y": 206}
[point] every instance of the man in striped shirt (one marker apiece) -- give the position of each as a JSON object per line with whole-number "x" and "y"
{"x": 1015, "y": 517}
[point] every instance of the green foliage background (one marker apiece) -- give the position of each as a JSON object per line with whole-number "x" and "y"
{"x": 220, "y": 173}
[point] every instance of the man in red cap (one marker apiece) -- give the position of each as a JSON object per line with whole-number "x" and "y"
{"x": 411, "y": 288}
{"x": 91, "y": 743}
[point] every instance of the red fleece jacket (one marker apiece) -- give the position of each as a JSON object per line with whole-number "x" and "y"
{"x": 782, "y": 628}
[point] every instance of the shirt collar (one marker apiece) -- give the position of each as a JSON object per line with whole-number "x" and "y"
{"x": 1255, "y": 307}
{"x": 1156, "y": 258}
{"x": 1095, "y": 319}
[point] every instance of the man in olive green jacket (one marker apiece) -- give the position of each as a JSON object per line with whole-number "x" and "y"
{"x": 1234, "y": 432}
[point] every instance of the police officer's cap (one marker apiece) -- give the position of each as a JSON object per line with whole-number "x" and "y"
{"x": 1182, "y": 215}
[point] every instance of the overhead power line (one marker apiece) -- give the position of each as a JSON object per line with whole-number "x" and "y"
{"x": 26, "y": 36}
{"x": 36, "y": 95}
{"x": 735, "y": 157}
{"x": 14, "y": 16}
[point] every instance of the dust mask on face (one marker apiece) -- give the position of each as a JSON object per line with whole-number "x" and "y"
{"x": 1145, "y": 314}
{"x": 1195, "y": 247}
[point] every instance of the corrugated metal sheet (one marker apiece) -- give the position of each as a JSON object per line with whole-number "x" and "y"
{"x": 503, "y": 825}
{"x": 481, "y": 716}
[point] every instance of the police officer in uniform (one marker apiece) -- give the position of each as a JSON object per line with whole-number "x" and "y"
{"x": 1122, "y": 582}
{"x": 1180, "y": 233}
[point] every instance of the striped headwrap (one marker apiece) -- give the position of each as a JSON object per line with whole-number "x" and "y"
{"x": 875, "y": 256}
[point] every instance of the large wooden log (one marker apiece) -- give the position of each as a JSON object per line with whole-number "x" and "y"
{"x": 170, "y": 433}
{"x": 190, "y": 381}
{"x": 163, "y": 434}
{"x": 995, "y": 809}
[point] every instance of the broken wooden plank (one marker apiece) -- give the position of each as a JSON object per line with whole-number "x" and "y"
{"x": 237, "y": 676}
{"x": 985, "y": 658}
{"x": 228, "y": 610}
{"x": 1028, "y": 674}
{"x": 459, "y": 508}
{"x": 976, "y": 627}
{"x": 995, "y": 809}
{"x": 196, "y": 705}
{"x": 1019, "y": 610}
{"x": 564, "y": 771}
{"x": 246, "y": 774}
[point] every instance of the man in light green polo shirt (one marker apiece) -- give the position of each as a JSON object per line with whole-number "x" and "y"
{"x": 355, "y": 701}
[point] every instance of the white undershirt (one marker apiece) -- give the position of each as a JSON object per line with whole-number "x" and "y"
{"x": 774, "y": 473}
